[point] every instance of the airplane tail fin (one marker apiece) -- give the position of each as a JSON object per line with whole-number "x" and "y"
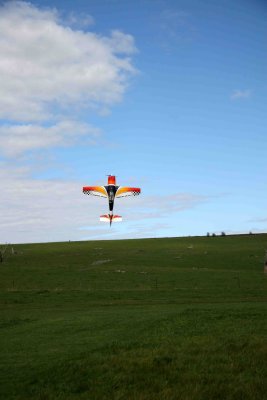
{"x": 110, "y": 218}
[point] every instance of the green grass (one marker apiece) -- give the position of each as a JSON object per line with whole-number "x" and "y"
{"x": 179, "y": 318}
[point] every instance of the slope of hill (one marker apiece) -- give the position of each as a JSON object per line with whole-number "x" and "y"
{"x": 178, "y": 318}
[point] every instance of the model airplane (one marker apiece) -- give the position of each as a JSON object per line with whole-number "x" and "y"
{"x": 111, "y": 191}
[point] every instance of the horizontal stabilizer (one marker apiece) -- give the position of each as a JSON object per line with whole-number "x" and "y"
{"x": 116, "y": 218}
{"x": 104, "y": 218}
{"x": 110, "y": 218}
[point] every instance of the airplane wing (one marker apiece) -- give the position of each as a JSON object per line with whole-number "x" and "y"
{"x": 95, "y": 191}
{"x": 124, "y": 191}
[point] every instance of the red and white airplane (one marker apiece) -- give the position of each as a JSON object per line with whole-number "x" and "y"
{"x": 111, "y": 191}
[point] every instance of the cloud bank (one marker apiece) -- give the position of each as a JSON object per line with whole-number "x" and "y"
{"x": 52, "y": 210}
{"x": 18, "y": 138}
{"x": 52, "y": 72}
{"x": 49, "y": 70}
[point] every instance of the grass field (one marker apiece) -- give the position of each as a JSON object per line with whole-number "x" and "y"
{"x": 178, "y": 318}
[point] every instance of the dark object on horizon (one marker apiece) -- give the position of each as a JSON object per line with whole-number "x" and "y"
{"x": 265, "y": 263}
{"x": 223, "y": 234}
{"x": 3, "y": 253}
{"x": 214, "y": 234}
{"x": 208, "y": 234}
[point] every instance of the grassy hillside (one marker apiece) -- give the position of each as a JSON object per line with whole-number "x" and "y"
{"x": 180, "y": 318}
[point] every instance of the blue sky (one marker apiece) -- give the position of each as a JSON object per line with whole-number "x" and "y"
{"x": 167, "y": 95}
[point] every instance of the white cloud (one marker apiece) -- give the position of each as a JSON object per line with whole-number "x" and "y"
{"x": 16, "y": 139}
{"x": 240, "y": 94}
{"x": 160, "y": 206}
{"x": 35, "y": 210}
{"x": 46, "y": 66}
{"x": 43, "y": 210}
{"x": 48, "y": 69}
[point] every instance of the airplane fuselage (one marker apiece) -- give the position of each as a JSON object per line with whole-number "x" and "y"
{"x": 111, "y": 191}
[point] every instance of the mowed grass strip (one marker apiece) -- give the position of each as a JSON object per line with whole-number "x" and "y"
{"x": 179, "y": 318}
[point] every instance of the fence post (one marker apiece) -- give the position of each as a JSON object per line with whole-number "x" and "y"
{"x": 265, "y": 263}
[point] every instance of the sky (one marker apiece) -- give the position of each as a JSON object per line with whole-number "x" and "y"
{"x": 168, "y": 95}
